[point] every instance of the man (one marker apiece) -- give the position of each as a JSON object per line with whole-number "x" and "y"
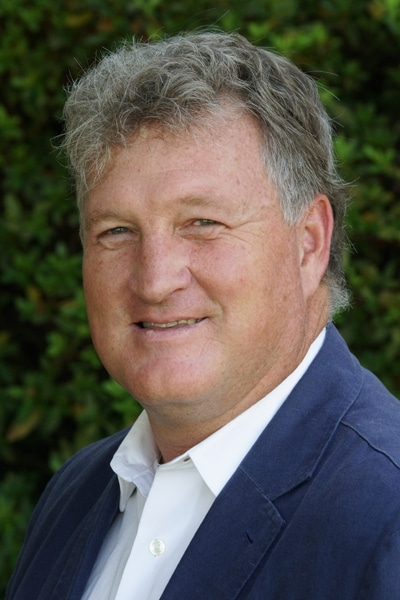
{"x": 266, "y": 462}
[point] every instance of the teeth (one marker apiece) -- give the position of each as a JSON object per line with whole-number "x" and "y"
{"x": 147, "y": 324}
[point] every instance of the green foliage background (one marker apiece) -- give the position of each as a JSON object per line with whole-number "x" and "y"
{"x": 54, "y": 395}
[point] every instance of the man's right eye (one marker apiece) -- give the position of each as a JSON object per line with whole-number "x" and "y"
{"x": 116, "y": 231}
{"x": 115, "y": 237}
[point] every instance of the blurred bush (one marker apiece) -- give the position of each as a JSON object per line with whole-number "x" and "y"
{"x": 54, "y": 395}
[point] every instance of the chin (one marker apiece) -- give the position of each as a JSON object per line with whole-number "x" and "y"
{"x": 168, "y": 391}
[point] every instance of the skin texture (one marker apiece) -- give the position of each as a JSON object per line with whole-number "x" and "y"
{"x": 187, "y": 227}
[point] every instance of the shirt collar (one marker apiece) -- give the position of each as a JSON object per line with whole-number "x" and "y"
{"x": 218, "y": 456}
{"x": 136, "y": 460}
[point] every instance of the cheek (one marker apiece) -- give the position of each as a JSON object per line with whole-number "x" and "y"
{"x": 91, "y": 281}
{"x": 277, "y": 278}
{"x": 105, "y": 271}
{"x": 101, "y": 285}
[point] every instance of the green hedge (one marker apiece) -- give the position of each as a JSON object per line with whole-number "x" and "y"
{"x": 55, "y": 396}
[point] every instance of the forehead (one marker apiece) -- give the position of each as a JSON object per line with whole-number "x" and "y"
{"x": 223, "y": 140}
{"x": 218, "y": 160}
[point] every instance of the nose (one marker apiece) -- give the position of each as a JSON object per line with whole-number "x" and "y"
{"x": 161, "y": 267}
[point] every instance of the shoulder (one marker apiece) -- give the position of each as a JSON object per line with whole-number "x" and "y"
{"x": 362, "y": 461}
{"x": 371, "y": 414}
{"x": 351, "y": 423}
{"x": 370, "y": 411}
{"x": 375, "y": 418}
{"x": 79, "y": 481}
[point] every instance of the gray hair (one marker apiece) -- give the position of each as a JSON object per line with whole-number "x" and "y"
{"x": 178, "y": 83}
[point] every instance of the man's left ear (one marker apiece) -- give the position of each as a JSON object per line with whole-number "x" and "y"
{"x": 315, "y": 238}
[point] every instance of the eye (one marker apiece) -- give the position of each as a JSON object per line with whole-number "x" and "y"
{"x": 115, "y": 237}
{"x": 116, "y": 231}
{"x": 203, "y": 229}
{"x": 205, "y": 222}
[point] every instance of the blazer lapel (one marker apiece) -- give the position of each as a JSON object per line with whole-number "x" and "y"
{"x": 234, "y": 536}
{"x": 72, "y": 570}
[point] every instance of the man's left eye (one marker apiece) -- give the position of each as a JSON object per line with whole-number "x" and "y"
{"x": 205, "y": 222}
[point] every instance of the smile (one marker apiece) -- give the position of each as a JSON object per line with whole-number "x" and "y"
{"x": 181, "y": 322}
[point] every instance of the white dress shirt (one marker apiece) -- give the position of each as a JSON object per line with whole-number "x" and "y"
{"x": 162, "y": 506}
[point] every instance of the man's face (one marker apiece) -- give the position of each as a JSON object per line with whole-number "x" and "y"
{"x": 193, "y": 280}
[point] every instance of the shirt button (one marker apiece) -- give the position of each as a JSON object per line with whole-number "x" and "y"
{"x": 157, "y": 547}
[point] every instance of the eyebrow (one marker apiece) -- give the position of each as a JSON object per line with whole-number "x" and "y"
{"x": 98, "y": 216}
{"x": 213, "y": 199}
{"x": 200, "y": 201}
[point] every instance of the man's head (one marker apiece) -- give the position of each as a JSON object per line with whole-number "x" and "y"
{"x": 206, "y": 182}
{"x": 184, "y": 81}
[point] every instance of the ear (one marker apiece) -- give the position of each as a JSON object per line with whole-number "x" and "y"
{"x": 315, "y": 241}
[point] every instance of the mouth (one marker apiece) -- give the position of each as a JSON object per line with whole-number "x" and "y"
{"x": 168, "y": 325}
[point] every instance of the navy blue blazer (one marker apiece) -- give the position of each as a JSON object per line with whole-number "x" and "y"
{"x": 312, "y": 513}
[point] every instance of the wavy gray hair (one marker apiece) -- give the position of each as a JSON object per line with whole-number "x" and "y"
{"x": 178, "y": 83}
